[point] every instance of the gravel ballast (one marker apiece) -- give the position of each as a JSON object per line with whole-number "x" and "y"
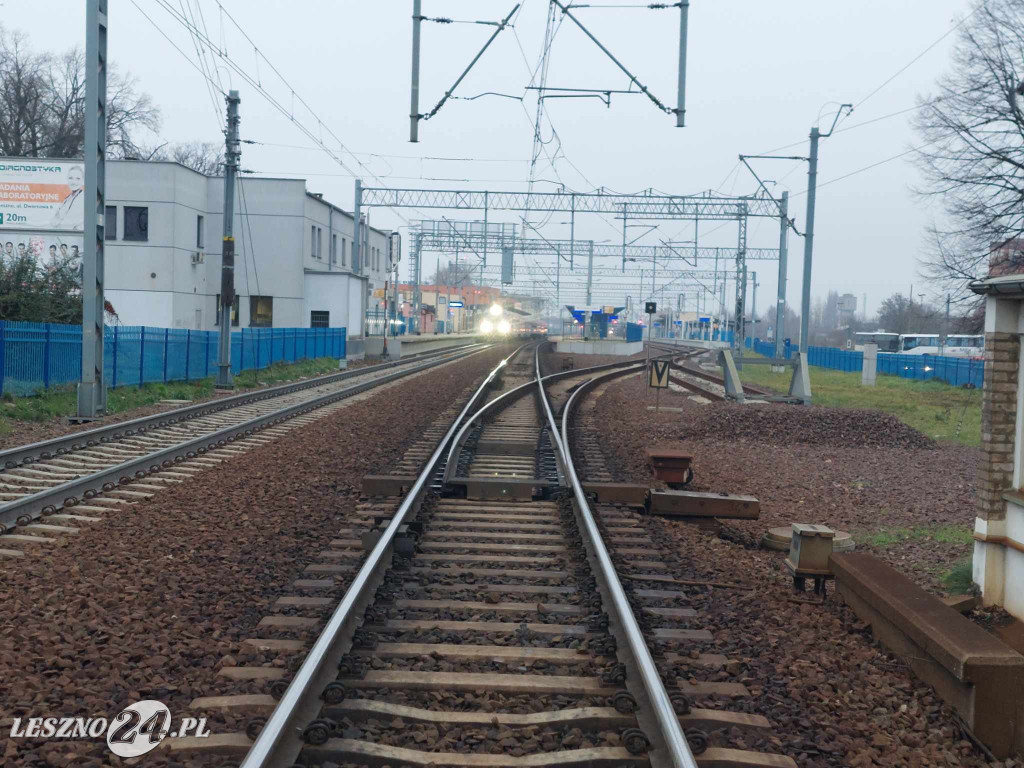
{"x": 148, "y": 603}
{"x": 835, "y": 697}
{"x": 857, "y": 471}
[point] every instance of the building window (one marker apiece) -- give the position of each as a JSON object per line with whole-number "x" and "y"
{"x": 261, "y": 311}
{"x": 200, "y": 232}
{"x": 334, "y": 249}
{"x": 234, "y": 312}
{"x": 136, "y": 223}
{"x": 316, "y": 242}
{"x": 344, "y": 258}
{"x": 110, "y": 225}
{"x": 319, "y": 319}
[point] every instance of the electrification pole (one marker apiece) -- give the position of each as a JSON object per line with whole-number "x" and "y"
{"x": 753, "y": 303}
{"x": 780, "y": 306}
{"x": 741, "y": 280}
{"x": 590, "y": 272}
{"x": 812, "y": 188}
{"x": 92, "y": 391}
{"x": 414, "y": 109}
{"x": 684, "y": 11}
{"x": 232, "y": 153}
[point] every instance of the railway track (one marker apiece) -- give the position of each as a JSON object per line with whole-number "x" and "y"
{"x": 74, "y": 479}
{"x": 695, "y": 379}
{"x": 488, "y": 625}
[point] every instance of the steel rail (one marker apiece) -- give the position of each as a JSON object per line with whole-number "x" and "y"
{"x": 22, "y": 511}
{"x": 58, "y": 446}
{"x": 664, "y": 713}
{"x": 460, "y": 438}
{"x": 281, "y": 735}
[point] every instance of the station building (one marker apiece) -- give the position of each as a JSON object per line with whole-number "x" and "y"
{"x": 293, "y": 251}
{"x": 998, "y": 564}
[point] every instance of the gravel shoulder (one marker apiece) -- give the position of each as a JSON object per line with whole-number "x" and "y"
{"x": 906, "y": 498}
{"x": 833, "y": 695}
{"x": 147, "y": 604}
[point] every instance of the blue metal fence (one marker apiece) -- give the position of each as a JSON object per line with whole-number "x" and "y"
{"x": 957, "y": 371}
{"x": 36, "y": 356}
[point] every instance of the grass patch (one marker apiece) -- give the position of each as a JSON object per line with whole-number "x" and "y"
{"x": 931, "y": 407}
{"x": 959, "y": 580}
{"x": 62, "y": 402}
{"x": 959, "y": 535}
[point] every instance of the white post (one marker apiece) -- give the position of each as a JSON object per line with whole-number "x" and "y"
{"x": 867, "y": 372}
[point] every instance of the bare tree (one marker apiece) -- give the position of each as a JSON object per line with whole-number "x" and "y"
{"x": 202, "y": 156}
{"x": 42, "y": 104}
{"x": 899, "y": 314}
{"x": 972, "y": 153}
{"x": 455, "y": 276}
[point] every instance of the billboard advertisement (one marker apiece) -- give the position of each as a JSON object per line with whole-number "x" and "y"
{"x": 48, "y": 249}
{"x": 42, "y": 194}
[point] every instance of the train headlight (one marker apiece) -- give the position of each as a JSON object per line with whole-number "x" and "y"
{"x": 496, "y": 310}
{"x": 504, "y": 326}
{"x": 486, "y": 326}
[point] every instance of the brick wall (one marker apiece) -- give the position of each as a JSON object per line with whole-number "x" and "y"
{"x": 998, "y": 423}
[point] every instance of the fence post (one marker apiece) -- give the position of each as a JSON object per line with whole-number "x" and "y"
{"x": 206, "y": 373}
{"x": 258, "y": 342}
{"x": 167, "y": 338}
{"x": 46, "y": 358}
{"x": 188, "y": 349}
{"x": 142, "y": 355}
{"x": 3, "y": 355}
{"x": 114, "y": 372}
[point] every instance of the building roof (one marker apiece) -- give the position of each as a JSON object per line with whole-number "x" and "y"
{"x": 320, "y": 197}
{"x": 1006, "y": 286}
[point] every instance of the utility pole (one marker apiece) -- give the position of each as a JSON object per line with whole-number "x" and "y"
{"x": 780, "y": 306}
{"x": 812, "y": 188}
{"x": 92, "y": 391}
{"x": 232, "y": 154}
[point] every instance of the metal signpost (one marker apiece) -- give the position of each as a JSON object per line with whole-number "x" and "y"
{"x": 657, "y": 378}
{"x": 650, "y": 308}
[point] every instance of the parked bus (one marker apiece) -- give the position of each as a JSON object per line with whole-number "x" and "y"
{"x": 886, "y": 342}
{"x": 964, "y": 346}
{"x": 920, "y": 343}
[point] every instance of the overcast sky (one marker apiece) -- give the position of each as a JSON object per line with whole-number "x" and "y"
{"x": 759, "y": 75}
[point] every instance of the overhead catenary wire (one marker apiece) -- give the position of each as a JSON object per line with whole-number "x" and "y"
{"x": 257, "y": 85}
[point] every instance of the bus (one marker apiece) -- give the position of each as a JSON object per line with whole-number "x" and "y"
{"x": 963, "y": 345}
{"x": 920, "y": 343}
{"x": 886, "y": 342}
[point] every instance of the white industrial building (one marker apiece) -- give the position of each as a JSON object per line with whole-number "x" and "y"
{"x": 293, "y": 252}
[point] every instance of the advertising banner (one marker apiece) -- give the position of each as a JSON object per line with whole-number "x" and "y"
{"x": 48, "y": 249}
{"x": 42, "y": 194}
